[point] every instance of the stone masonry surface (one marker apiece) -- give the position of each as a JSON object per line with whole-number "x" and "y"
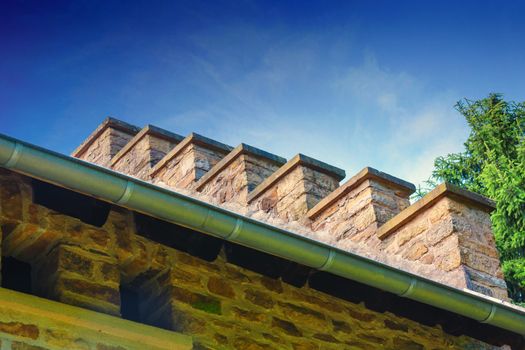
{"x": 144, "y": 154}
{"x": 219, "y": 304}
{"x": 304, "y": 196}
{"x": 238, "y": 174}
{"x": 105, "y": 142}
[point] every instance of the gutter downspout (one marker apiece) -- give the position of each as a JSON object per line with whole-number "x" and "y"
{"x": 134, "y": 194}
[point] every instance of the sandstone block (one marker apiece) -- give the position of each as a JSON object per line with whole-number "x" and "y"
{"x": 237, "y": 174}
{"x": 188, "y": 161}
{"x": 75, "y": 276}
{"x": 450, "y": 229}
{"x": 145, "y": 150}
{"x": 296, "y": 187}
{"x": 363, "y": 203}
{"x": 105, "y": 142}
{"x": 20, "y": 329}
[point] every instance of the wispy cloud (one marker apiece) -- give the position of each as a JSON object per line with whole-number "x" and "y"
{"x": 297, "y": 98}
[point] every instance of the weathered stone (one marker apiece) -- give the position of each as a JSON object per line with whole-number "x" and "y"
{"x": 221, "y": 287}
{"x": 196, "y": 300}
{"x": 75, "y": 276}
{"x": 416, "y": 251}
{"x": 372, "y": 338}
{"x": 15, "y": 345}
{"x": 397, "y": 326}
{"x": 297, "y": 313}
{"x": 361, "y": 315}
{"x": 89, "y": 289}
{"x": 317, "y": 301}
{"x": 326, "y": 337}
{"x": 145, "y": 150}
{"x": 248, "y": 315}
{"x": 20, "y": 329}
{"x": 11, "y": 199}
{"x": 296, "y": 187}
{"x": 404, "y": 343}
{"x": 272, "y": 284}
{"x": 367, "y": 200}
{"x": 305, "y": 346}
{"x": 341, "y": 326}
{"x": 104, "y": 143}
{"x": 286, "y": 327}
{"x": 444, "y": 231}
{"x": 242, "y": 343}
{"x": 188, "y": 161}
{"x": 235, "y": 176}
{"x": 259, "y": 298}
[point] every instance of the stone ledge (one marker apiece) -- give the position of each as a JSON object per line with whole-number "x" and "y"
{"x": 238, "y": 151}
{"x": 191, "y": 138}
{"x": 299, "y": 159}
{"x": 356, "y": 180}
{"x": 147, "y": 130}
{"x": 441, "y": 191}
{"x": 79, "y": 323}
{"x": 108, "y": 122}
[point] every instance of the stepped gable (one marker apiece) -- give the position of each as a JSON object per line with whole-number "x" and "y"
{"x": 366, "y": 201}
{"x": 89, "y": 237}
{"x": 239, "y": 173}
{"x": 105, "y": 142}
{"x": 189, "y": 161}
{"x": 145, "y": 150}
{"x": 370, "y": 213}
{"x": 296, "y": 187}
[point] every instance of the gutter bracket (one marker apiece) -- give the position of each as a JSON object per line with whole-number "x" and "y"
{"x": 329, "y": 261}
{"x": 236, "y": 230}
{"x": 127, "y": 193}
{"x": 491, "y": 314}
{"x": 410, "y": 289}
{"x": 15, "y": 156}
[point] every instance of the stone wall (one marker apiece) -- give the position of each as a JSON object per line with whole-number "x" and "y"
{"x": 355, "y": 211}
{"x": 451, "y": 235}
{"x": 188, "y": 162}
{"x": 238, "y": 174}
{"x": 220, "y": 304}
{"x": 296, "y": 187}
{"x": 145, "y": 150}
{"x": 304, "y": 196}
{"x": 105, "y": 142}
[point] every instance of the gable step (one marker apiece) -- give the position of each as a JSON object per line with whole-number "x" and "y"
{"x": 365, "y": 202}
{"x": 106, "y": 141}
{"x": 296, "y": 187}
{"x": 191, "y": 159}
{"x": 239, "y": 173}
{"x": 145, "y": 150}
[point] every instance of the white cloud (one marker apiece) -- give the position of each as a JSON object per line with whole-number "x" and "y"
{"x": 295, "y": 100}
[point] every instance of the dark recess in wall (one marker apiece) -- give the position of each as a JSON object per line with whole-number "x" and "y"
{"x": 87, "y": 209}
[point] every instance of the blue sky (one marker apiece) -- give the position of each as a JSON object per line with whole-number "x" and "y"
{"x": 353, "y": 83}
